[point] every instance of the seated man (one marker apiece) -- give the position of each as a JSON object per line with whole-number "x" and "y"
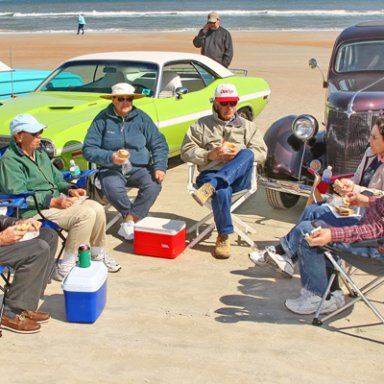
{"x": 32, "y": 262}
{"x": 27, "y": 167}
{"x": 313, "y": 263}
{"x": 123, "y": 126}
{"x": 224, "y": 146}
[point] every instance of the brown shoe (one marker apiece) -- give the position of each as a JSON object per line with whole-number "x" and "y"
{"x": 203, "y": 193}
{"x": 20, "y": 324}
{"x": 38, "y": 317}
{"x": 223, "y": 247}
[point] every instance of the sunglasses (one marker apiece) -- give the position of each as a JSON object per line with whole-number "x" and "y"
{"x": 36, "y": 133}
{"x": 122, "y": 99}
{"x": 226, "y": 103}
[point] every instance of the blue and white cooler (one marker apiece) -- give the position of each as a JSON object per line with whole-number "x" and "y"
{"x": 85, "y": 292}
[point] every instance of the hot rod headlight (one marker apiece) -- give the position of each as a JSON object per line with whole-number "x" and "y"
{"x": 305, "y": 127}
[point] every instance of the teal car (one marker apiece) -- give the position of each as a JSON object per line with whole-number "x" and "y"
{"x": 178, "y": 88}
{"x": 16, "y": 82}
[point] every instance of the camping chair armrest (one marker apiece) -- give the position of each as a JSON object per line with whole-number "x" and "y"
{"x": 191, "y": 173}
{"x": 369, "y": 243}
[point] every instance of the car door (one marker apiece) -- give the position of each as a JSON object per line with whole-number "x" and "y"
{"x": 177, "y": 111}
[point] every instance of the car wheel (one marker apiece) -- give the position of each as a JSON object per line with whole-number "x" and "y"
{"x": 245, "y": 113}
{"x": 281, "y": 200}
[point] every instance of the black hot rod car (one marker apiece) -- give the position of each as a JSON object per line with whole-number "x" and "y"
{"x": 354, "y": 100}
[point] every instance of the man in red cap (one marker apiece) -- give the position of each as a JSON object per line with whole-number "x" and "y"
{"x": 223, "y": 146}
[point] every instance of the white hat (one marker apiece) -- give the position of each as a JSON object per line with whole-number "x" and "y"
{"x": 123, "y": 89}
{"x": 213, "y": 17}
{"x": 226, "y": 92}
{"x": 25, "y": 123}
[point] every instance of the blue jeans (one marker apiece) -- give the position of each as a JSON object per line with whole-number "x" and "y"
{"x": 312, "y": 261}
{"x": 232, "y": 177}
{"x": 317, "y": 211}
{"x": 114, "y": 186}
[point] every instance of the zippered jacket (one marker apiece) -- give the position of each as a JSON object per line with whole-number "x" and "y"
{"x": 19, "y": 173}
{"x": 136, "y": 132}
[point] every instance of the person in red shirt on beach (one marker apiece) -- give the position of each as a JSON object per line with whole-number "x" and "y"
{"x": 312, "y": 261}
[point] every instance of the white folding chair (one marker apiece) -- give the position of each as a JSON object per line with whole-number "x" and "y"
{"x": 238, "y": 198}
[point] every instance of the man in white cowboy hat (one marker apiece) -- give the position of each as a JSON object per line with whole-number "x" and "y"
{"x": 122, "y": 128}
{"x": 215, "y": 41}
{"x": 224, "y": 146}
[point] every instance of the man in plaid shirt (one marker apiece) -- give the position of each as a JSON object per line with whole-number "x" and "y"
{"x": 312, "y": 261}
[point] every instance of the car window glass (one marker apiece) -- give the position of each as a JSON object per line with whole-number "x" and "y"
{"x": 360, "y": 56}
{"x": 99, "y": 77}
{"x": 188, "y": 75}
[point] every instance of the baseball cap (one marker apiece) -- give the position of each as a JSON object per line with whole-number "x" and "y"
{"x": 25, "y": 123}
{"x": 226, "y": 92}
{"x": 213, "y": 17}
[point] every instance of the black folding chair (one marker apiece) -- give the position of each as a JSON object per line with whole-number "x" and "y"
{"x": 374, "y": 267}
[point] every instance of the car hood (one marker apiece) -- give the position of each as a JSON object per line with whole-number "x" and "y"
{"x": 355, "y": 101}
{"x": 45, "y": 106}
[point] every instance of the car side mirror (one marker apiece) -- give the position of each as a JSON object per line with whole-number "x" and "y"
{"x": 313, "y": 65}
{"x": 180, "y": 91}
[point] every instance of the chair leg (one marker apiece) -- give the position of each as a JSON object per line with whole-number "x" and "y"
{"x": 7, "y": 282}
{"x": 207, "y": 230}
{"x": 362, "y": 293}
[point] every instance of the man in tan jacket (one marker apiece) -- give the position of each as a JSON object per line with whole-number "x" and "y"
{"x": 223, "y": 146}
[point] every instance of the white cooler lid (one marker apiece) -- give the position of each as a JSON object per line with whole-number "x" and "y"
{"x": 157, "y": 225}
{"x": 86, "y": 279}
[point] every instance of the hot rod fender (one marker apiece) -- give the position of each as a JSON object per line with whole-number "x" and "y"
{"x": 285, "y": 151}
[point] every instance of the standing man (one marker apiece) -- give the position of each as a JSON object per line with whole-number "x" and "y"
{"x": 120, "y": 131}
{"x": 224, "y": 147}
{"x": 215, "y": 41}
{"x": 81, "y": 21}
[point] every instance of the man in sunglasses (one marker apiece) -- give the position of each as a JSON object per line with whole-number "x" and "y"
{"x": 122, "y": 133}
{"x": 215, "y": 41}
{"x": 224, "y": 146}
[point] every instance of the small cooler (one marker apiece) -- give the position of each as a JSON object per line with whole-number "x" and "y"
{"x": 85, "y": 292}
{"x": 159, "y": 237}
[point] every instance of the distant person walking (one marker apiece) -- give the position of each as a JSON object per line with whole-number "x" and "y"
{"x": 81, "y": 21}
{"x": 215, "y": 41}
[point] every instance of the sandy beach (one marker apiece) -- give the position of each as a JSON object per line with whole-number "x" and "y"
{"x": 196, "y": 319}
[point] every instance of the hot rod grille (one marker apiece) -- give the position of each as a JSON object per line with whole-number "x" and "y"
{"x": 347, "y": 139}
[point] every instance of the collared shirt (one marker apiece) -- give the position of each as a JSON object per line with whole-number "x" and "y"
{"x": 371, "y": 225}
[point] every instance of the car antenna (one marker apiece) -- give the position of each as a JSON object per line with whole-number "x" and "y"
{"x": 11, "y": 73}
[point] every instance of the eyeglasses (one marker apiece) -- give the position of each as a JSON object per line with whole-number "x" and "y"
{"x": 36, "y": 133}
{"x": 226, "y": 103}
{"x": 122, "y": 99}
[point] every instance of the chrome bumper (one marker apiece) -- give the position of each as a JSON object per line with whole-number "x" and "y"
{"x": 292, "y": 187}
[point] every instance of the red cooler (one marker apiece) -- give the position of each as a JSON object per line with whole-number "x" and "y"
{"x": 159, "y": 237}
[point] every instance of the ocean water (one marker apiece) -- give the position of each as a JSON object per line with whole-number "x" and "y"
{"x": 60, "y": 16}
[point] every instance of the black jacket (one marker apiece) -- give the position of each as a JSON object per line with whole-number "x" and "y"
{"x": 6, "y": 222}
{"x": 216, "y": 44}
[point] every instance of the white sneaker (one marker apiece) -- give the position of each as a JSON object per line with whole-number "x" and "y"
{"x": 257, "y": 257}
{"x": 281, "y": 263}
{"x": 127, "y": 230}
{"x": 339, "y": 298}
{"x": 62, "y": 270}
{"x": 112, "y": 265}
{"x": 308, "y": 303}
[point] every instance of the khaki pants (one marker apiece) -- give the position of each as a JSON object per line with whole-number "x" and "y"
{"x": 84, "y": 222}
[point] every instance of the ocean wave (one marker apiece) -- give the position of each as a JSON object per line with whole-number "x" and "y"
{"x": 232, "y": 13}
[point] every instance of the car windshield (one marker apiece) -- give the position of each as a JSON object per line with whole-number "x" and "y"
{"x": 360, "y": 56}
{"x": 99, "y": 77}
